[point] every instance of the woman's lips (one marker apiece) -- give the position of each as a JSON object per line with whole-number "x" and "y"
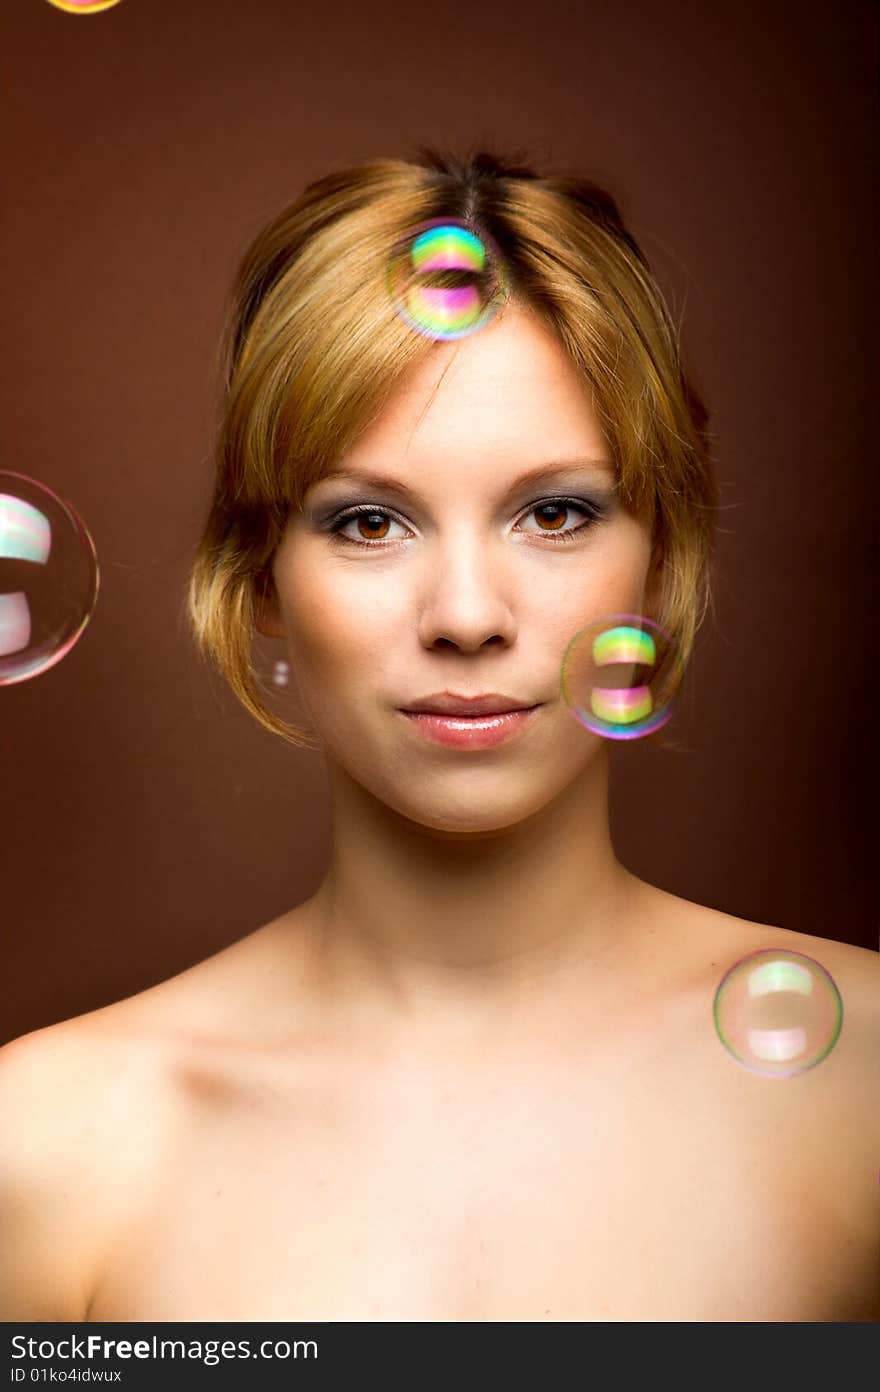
{"x": 470, "y": 731}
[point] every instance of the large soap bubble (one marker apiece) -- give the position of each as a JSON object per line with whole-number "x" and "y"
{"x": 48, "y": 578}
{"x": 778, "y": 1012}
{"x": 620, "y": 675}
{"x": 446, "y": 278}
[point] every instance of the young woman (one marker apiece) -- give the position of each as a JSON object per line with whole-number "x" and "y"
{"x": 475, "y": 1076}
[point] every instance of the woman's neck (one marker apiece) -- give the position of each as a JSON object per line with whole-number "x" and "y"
{"x": 425, "y": 930}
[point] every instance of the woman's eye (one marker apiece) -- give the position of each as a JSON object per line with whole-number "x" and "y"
{"x": 373, "y": 522}
{"x": 551, "y": 516}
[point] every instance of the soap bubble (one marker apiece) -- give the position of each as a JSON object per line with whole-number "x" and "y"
{"x": 620, "y": 675}
{"x": 48, "y": 578}
{"x": 83, "y": 6}
{"x": 778, "y": 1012}
{"x": 446, "y": 278}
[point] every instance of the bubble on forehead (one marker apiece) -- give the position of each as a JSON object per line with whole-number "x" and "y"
{"x": 620, "y": 676}
{"x": 446, "y": 278}
{"x": 48, "y": 578}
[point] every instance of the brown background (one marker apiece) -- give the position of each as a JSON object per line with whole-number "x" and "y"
{"x": 146, "y": 822}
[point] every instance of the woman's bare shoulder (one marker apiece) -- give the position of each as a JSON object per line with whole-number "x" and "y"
{"x": 710, "y": 941}
{"x": 74, "y": 1143}
{"x": 215, "y": 1000}
{"x": 719, "y": 939}
{"x": 87, "y": 1105}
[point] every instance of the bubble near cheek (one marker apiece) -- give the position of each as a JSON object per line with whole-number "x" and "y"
{"x": 777, "y": 1012}
{"x": 446, "y": 279}
{"x": 620, "y": 676}
{"x": 48, "y": 578}
{"x": 83, "y": 6}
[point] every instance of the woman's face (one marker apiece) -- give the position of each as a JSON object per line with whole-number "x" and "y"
{"x": 460, "y": 582}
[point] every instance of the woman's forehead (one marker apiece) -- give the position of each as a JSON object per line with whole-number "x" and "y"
{"x": 509, "y": 400}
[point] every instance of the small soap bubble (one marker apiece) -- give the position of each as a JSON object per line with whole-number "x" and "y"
{"x": 48, "y": 578}
{"x": 620, "y": 676}
{"x": 446, "y": 278}
{"x": 83, "y": 6}
{"x": 778, "y": 1012}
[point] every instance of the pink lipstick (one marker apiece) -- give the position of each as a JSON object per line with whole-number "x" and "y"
{"x": 471, "y": 731}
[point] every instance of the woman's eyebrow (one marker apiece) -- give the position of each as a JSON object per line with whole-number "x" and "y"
{"x": 557, "y": 468}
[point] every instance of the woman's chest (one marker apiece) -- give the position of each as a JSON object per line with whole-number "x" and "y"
{"x": 537, "y": 1195}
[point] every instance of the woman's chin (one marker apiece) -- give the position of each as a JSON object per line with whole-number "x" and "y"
{"x": 475, "y": 819}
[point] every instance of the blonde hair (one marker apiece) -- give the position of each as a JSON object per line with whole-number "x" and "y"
{"x": 313, "y": 348}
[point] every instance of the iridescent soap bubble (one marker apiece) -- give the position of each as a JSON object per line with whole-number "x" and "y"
{"x": 446, "y": 278}
{"x": 778, "y": 1012}
{"x": 620, "y": 676}
{"x": 83, "y": 6}
{"x": 48, "y": 578}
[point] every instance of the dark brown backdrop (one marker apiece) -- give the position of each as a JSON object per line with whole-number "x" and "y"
{"x": 146, "y": 821}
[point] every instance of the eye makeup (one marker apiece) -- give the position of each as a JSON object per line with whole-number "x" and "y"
{"x": 332, "y": 519}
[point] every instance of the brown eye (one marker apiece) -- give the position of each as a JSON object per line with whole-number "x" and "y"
{"x": 370, "y": 525}
{"x": 559, "y": 508}
{"x": 371, "y": 522}
{"x": 553, "y": 515}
